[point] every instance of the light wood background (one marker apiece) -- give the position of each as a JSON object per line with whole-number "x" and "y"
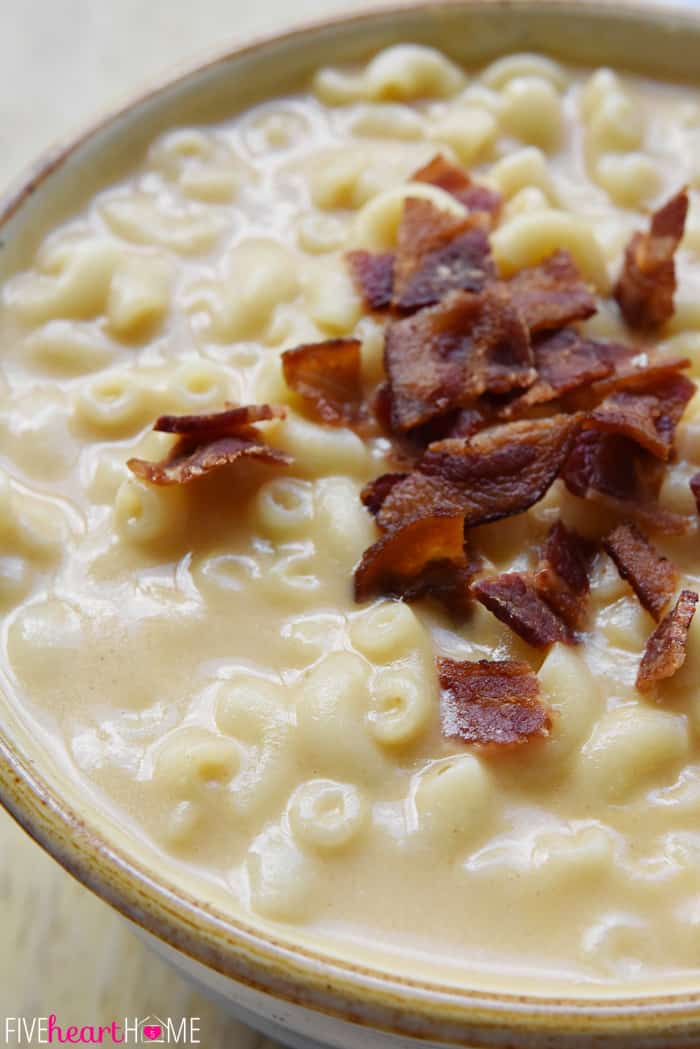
{"x": 61, "y": 949}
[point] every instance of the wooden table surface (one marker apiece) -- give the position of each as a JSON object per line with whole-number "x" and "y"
{"x": 61, "y": 950}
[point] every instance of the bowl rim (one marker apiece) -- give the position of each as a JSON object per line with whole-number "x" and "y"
{"x": 326, "y": 984}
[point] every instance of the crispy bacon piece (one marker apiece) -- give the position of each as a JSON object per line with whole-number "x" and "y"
{"x": 438, "y": 253}
{"x": 427, "y": 558}
{"x": 497, "y": 473}
{"x": 483, "y": 200}
{"x": 565, "y": 362}
{"x": 375, "y": 492}
{"x": 491, "y": 702}
{"x": 638, "y": 370}
{"x": 562, "y": 574}
{"x": 409, "y": 445}
{"x": 617, "y": 472}
{"x": 601, "y": 462}
{"x": 373, "y": 274}
{"x": 468, "y": 421}
{"x": 191, "y": 459}
{"x": 208, "y": 442}
{"x": 552, "y": 294}
{"x": 649, "y": 416}
{"x": 651, "y": 575}
{"x": 327, "y": 375}
{"x": 514, "y": 598}
{"x": 647, "y": 283}
{"x": 475, "y": 197}
{"x": 665, "y": 650}
{"x": 227, "y": 423}
{"x": 444, "y": 356}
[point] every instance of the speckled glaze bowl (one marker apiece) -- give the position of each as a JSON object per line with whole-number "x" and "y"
{"x": 296, "y": 993}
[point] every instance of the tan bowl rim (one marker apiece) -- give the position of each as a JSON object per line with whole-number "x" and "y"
{"x": 326, "y": 984}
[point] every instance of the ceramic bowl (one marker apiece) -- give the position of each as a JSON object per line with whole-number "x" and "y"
{"x": 300, "y": 994}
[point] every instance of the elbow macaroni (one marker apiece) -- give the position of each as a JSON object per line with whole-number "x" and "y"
{"x": 327, "y": 815}
{"x": 528, "y": 239}
{"x": 259, "y": 273}
{"x": 532, "y": 112}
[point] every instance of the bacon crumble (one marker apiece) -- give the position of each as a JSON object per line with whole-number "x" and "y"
{"x": 373, "y": 275}
{"x": 616, "y": 472}
{"x": 496, "y": 473}
{"x": 208, "y": 442}
{"x": 438, "y": 253}
{"x": 226, "y": 423}
{"x": 446, "y": 355}
{"x": 651, "y": 575}
{"x": 565, "y": 362}
{"x": 638, "y": 370}
{"x": 327, "y": 376}
{"x": 427, "y": 557}
{"x": 666, "y": 649}
{"x": 551, "y": 295}
{"x": 454, "y": 180}
{"x": 646, "y": 287}
{"x": 491, "y": 702}
{"x": 375, "y": 492}
{"x": 649, "y": 416}
{"x": 514, "y": 598}
{"x": 562, "y": 576}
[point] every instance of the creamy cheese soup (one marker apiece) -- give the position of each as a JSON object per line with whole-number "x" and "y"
{"x": 194, "y": 653}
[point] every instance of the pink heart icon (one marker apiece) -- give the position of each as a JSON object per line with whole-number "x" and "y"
{"x": 152, "y": 1032}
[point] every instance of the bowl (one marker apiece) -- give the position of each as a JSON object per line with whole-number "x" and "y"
{"x": 301, "y": 994}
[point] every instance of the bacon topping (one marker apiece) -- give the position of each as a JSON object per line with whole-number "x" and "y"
{"x": 615, "y": 471}
{"x": 665, "y": 650}
{"x": 445, "y": 355}
{"x": 491, "y": 702}
{"x": 565, "y": 362}
{"x": 327, "y": 375}
{"x": 647, "y": 283}
{"x": 513, "y": 598}
{"x": 468, "y": 421}
{"x": 373, "y": 274}
{"x": 640, "y": 371}
{"x": 375, "y": 492}
{"x": 483, "y": 200}
{"x": 466, "y": 358}
{"x": 552, "y": 294}
{"x": 425, "y": 558}
{"x": 438, "y": 253}
{"x": 454, "y": 180}
{"x": 227, "y": 423}
{"x": 494, "y": 474}
{"x": 651, "y": 575}
{"x": 208, "y": 442}
{"x": 562, "y": 574}
{"x": 649, "y": 416}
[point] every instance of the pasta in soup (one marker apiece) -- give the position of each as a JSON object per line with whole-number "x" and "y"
{"x": 349, "y": 511}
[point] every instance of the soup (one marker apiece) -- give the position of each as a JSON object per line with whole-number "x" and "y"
{"x": 295, "y": 684}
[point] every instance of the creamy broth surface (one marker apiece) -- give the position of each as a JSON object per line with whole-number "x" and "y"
{"x": 195, "y": 654}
